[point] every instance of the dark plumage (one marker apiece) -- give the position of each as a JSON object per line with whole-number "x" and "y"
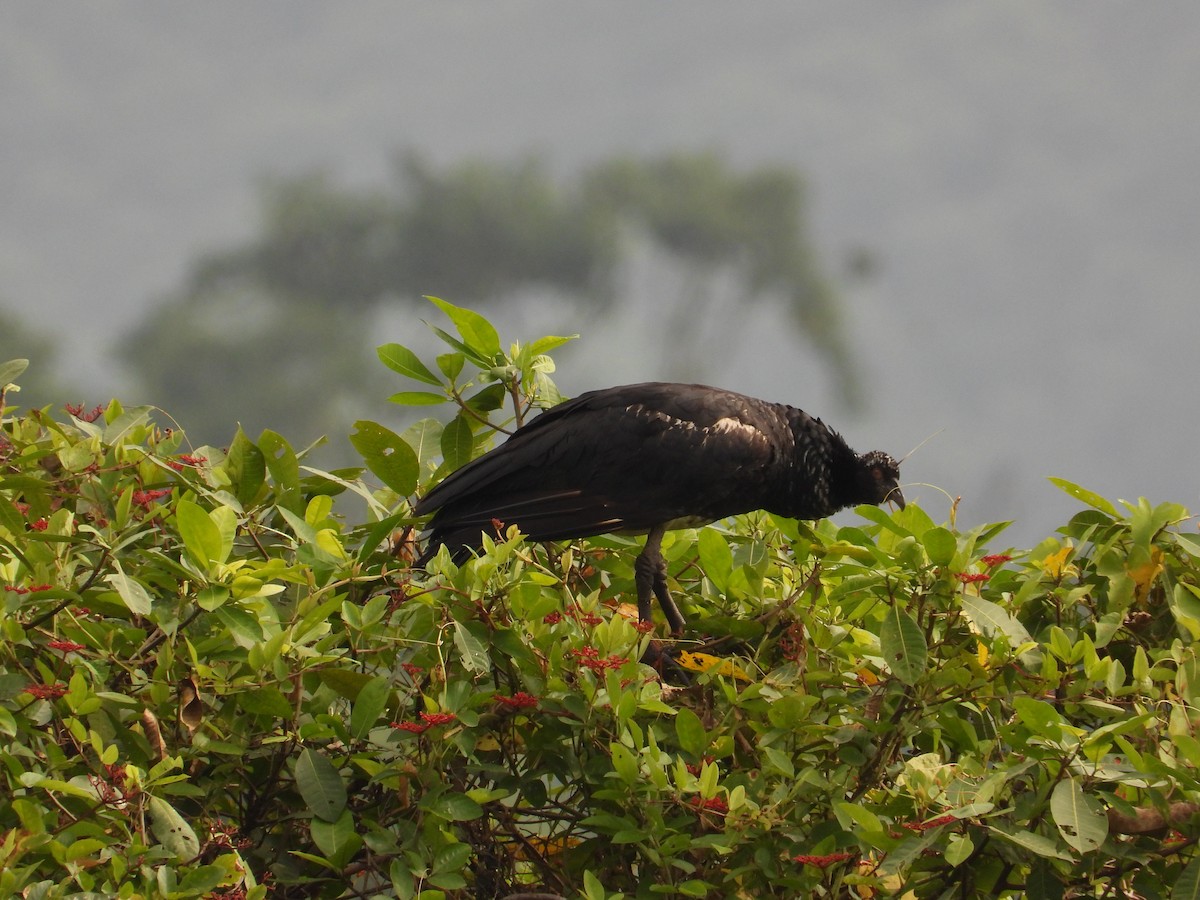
{"x": 647, "y": 458}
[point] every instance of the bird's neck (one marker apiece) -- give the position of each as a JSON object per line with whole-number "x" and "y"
{"x": 821, "y": 477}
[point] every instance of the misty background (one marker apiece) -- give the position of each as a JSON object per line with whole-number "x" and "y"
{"x": 1004, "y": 198}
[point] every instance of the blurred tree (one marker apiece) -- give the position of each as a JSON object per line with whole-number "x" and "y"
{"x": 715, "y": 220}
{"x": 278, "y": 331}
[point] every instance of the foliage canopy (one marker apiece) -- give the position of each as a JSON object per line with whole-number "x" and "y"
{"x": 213, "y": 683}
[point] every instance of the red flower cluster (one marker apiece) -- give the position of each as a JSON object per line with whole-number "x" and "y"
{"x": 519, "y": 700}
{"x": 76, "y": 409}
{"x": 995, "y": 559}
{"x": 429, "y": 720}
{"x": 713, "y": 804}
{"x": 822, "y": 862}
{"x": 552, "y": 618}
{"x": 932, "y": 823}
{"x": 145, "y": 498}
{"x": 65, "y": 646}
{"x": 228, "y": 838}
{"x": 186, "y": 460}
{"x": 32, "y": 589}
{"x": 39, "y": 525}
{"x": 589, "y": 658}
{"x": 972, "y": 577}
{"x": 46, "y": 691}
{"x": 412, "y": 669}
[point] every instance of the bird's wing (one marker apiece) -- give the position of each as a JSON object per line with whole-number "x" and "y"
{"x": 625, "y": 458}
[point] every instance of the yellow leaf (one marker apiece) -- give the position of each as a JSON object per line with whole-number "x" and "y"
{"x": 536, "y": 846}
{"x": 866, "y": 677}
{"x": 981, "y": 652}
{"x": 191, "y": 707}
{"x": 1055, "y": 564}
{"x": 627, "y": 611}
{"x": 1143, "y": 576}
{"x": 705, "y": 662}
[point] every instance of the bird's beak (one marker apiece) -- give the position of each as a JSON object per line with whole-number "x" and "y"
{"x": 894, "y": 496}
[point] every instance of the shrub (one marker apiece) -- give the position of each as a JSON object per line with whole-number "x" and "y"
{"x": 212, "y": 684}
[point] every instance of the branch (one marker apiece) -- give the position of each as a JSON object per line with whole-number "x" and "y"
{"x": 1147, "y": 819}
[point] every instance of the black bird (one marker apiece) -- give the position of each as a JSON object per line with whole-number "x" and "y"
{"x": 645, "y": 458}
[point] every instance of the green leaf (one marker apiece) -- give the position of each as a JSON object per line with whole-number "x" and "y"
{"x": 958, "y": 849}
{"x": 337, "y": 840}
{"x": 418, "y": 398}
{"x": 593, "y": 889}
{"x": 320, "y": 785}
{"x": 1083, "y": 495}
{"x": 1080, "y": 818}
{"x": 243, "y": 626}
{"x": 1187, "y": 885}
{"x": 266, "y": 701}
{"x": 791, "y": 711}
{"x": 425, "y": 439}
{"x": 347, "y": 683}
{"x": 173, "y": 831}
{"x": 470, "y": 354}
{"x": 451, "y": 364}
{"x": 202, "y": 880}
{"x": 477, "y": 332}
{"x": 1185, "y": 607}
{"x": 387, "y": 455}
{"x": 84, "y": 848}
{"x": 457, "y": 442}
{"x": 716, "y": 559}
{"x": 940, "y": 545}
{"x": 1035, "y": 843}
{"x": 690, "y": 732}
{"x": 487, "y": 399}
{"x": 1040, "y": 717}
{"x": 902, "y": 645}
{"x": 992, "y": 619}
{"x": 401, "y": 359}
{"x": 246, "y": 467}
{"x": 369, "y": 705}
{"x": 201, "y": 536}
{"x": 548, "y": 343}
{"x": 11, "y": 370}
{"x": 135, "y": 597}
{"x": 452, "y": 858}
{"x": 624, "y": 763}
{"x": 472, "y": 648}
{"x": 1043, "y": 883}
{"x": 284, "y": 468}
{"x": 456, "y": 808}
{"x": 854, "y": 817}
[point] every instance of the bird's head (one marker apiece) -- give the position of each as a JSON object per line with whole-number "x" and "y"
{"x": 879, "y": 479}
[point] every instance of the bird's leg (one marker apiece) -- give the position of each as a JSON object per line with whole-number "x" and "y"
{"x": 650, "y": 578}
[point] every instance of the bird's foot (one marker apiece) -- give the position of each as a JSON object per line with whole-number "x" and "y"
{"x": 650, "y": 578}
